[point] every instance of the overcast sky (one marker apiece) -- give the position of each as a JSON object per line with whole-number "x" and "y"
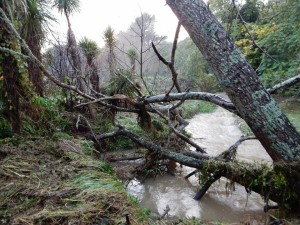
{"x": 96, "y": 15}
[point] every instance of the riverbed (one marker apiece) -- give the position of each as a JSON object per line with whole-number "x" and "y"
{"x": 216, "y": 132}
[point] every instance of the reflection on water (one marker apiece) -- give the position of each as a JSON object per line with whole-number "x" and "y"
{"x": 220, "y": 131}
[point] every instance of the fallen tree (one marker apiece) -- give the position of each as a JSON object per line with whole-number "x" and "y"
{"x": 280, "y": 183}
{"x": 249, "y": 100}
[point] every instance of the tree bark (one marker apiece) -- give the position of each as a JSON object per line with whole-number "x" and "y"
{"x": 35, "y": 73}
{"x": 11, "y": 78}
{"x": 239, "y": 80}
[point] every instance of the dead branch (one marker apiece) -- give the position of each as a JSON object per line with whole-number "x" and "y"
{"x": 230, "y": 153}
{"x": 227, "y": 156}
{"x": 132, "y": 84}
{"x": 166, "y": 211}
{"x": 213, "y": 98}
{"x": 171, "y": 67}
{"x": 285, "y": 84}
{"x": 206, "y": 186}
{"x": 125, "y": 158}
{"x": 191, "y": 174}
{"x": 175, "y": 42}
{"x": 198, "y": 155}
{"x": 180, "y": 135}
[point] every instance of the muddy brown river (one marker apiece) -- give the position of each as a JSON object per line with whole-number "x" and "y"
{"x": 216, "y": 132}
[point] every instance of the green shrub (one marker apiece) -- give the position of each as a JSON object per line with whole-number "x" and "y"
{"x": 5, "y": 128}
{"x": 60, "y": 135}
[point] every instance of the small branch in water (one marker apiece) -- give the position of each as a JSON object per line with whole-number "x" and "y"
{"x": 166, "y": 211}
{"x": 191, "y": 174}
{"x": 206, "y": 186}
{"x": 268, "y": 207}
{"x": 125, "y": 158}
{"x": 127, "y": 219}
{"x": 230, "y": 154}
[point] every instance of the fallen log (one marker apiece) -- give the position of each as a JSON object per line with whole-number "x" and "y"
{"x": 125, "y": 159}
{"x": 280, "y": 183}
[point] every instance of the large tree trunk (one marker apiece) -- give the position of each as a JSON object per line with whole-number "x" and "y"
{"x": 35, "y": 73}
{"x": 239, "y": 80}
{"x": 94, "y": 78}
{"x": 11, "y": 77}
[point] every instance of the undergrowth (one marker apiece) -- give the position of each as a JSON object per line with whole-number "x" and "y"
{"x": 59, "y": 182}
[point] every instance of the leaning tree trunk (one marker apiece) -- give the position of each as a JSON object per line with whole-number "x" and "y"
{"x": 239, "y": 80}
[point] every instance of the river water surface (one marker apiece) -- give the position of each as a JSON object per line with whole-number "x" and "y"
{"x": 216, "y": 132}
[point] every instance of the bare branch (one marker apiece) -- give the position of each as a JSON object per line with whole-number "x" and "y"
{"x": 191, "y": 96}
{"x": 175, "y": 42}
{"x": 170, "y": 66}
{"x": 164, "y": 61}
{"x": 230, "y": 154}
{"x": 180, "y": 135}
{"x": 185, "y": 160}
{"x": 285, "y": 84}
{"x": 114, "y": 97}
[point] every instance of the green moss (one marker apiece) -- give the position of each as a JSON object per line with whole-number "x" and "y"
{"x": 246, "y": 130}
{"x": 236, "y": 56}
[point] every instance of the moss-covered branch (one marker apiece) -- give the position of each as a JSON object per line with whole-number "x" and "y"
{"x": 280, "y": 183}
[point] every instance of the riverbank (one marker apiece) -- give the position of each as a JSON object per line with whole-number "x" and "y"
{"x": 60, "y": 181}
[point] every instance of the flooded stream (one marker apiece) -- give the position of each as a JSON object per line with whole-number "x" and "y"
{"x": 216, "y": 132}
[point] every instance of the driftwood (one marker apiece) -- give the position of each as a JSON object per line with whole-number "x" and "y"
{"x": 125, "y": 158}
{"x": 191, "y": 174}
{"x": 206, "y": 186}
{"x": 165, "y": 213}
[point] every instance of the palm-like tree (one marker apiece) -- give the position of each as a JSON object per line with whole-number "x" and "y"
{"x": 133, "y": 56}
{"x": 67, "y": 7}
{"x": 110, "y": 42}
{"x": 34, "y": 32}
{"x": 90, "y": 50}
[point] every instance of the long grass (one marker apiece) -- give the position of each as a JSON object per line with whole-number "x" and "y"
{"x": 60, "y": 182}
